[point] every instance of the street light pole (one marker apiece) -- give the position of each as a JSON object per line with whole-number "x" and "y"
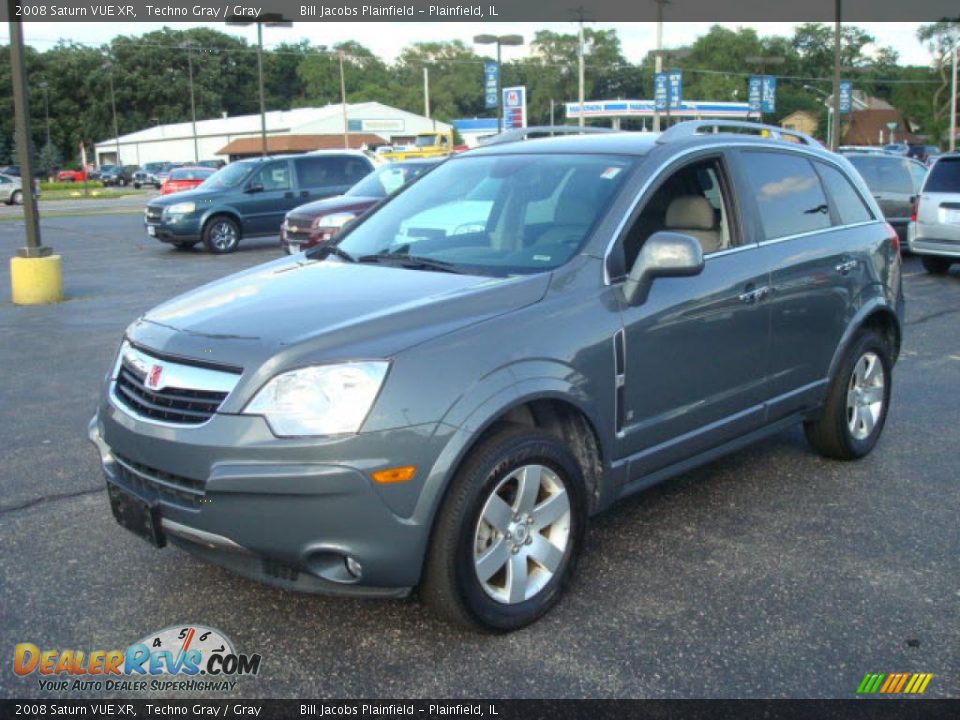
{"x": 34, "y": 247}
{"x": 658, "y": 58}
{"x": 270, "y": 20}
{"x": 46, "y": 107}
{"x": 193, "y": 105}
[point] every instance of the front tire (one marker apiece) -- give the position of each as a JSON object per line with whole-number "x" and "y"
{"x": 935, "y": 265}
{"x": 508, "y": 534}
{"x": 221, "y": 235}
{"x": 16, "y": 198}
{"x": 855, "y": 410}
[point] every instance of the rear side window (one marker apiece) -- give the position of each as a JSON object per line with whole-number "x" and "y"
{"x": 885, "y": 174}
{"x": 788, "y": 194}
{"x": 944, "y": 176}
{"x": 847, "y": 202}
{"x": 331, "y": 171}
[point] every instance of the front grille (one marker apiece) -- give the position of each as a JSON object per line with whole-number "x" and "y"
{"x": 153, "y": 214}
{"x": 182, "y": 406}
{"x": 159, "y": 485}
{"x": 302, "y": 232}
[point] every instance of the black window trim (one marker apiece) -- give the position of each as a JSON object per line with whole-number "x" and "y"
{"x": 835, "y": 219}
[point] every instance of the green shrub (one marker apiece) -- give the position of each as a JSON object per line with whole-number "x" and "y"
{"x": 91, "y": 184}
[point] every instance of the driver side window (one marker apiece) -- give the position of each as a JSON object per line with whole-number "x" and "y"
{"x": 274, "y": 176}
{"x": 694, "y": 200}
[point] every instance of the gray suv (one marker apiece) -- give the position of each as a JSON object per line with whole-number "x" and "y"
{"x": 443, "y": 406}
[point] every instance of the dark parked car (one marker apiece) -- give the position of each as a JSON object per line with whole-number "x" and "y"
{"x": 317, "y": 222}
{"x": 121, "y": 176}
{"x": 447, "y": 411}
{"x": 895, "y": 182}
{"x": 147, "y": 175}
{"x": 249, "y": 198}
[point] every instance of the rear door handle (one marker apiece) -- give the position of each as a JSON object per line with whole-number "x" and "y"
{"x": 844, "y": 268}
{"x": 752, "y": 296}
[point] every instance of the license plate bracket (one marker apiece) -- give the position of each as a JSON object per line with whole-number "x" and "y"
{"x": 136, "y": 514}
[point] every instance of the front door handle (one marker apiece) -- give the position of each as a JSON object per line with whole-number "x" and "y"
{"x": 845, "y": 268}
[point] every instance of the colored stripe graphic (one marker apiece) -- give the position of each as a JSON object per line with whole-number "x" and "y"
{"x": 894, "y": 683}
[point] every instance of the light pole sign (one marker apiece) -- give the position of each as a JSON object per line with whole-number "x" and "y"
{"x": 762, "y": 93}
{"x": 668, "y": 90}
{"x": 490, "y": 73}
{"x": 514, "y": 107}
{"x": 846, "y": 96}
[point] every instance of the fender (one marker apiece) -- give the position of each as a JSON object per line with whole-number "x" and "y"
{"x": 478, "y": 409}
{"x": 223, "y": 210}
{"x": 871, "y": 306}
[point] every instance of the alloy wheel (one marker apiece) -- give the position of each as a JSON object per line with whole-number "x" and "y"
{"x": 522, "y": 534}
{"x": 865, "y": 395}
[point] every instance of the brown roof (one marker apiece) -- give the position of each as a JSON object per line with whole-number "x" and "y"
{"x": 277, "y": 144}
{"x": 863, "y": 127}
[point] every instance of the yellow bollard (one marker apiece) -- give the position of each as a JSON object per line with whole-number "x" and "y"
{"x": 36, "y": 281}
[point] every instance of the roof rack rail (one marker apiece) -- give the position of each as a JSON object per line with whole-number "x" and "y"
{"x": 691, "y": 128}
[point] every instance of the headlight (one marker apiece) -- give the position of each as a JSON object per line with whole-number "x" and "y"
{"x": 337, "y": 220}
{"x": 319, "y": 400}
{"x": 182, "y": 208}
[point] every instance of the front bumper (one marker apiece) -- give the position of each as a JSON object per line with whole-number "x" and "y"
{"x": 175, "y": 228}
{"x": 282, "y": 511}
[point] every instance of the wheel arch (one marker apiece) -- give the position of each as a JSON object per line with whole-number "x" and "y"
{"x": 876, "y": 316}
{"x": 229, "y": 212}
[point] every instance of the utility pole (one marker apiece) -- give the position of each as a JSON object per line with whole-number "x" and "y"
{"x": 193, "y": 105}
{"x": 551, "y": 112}
{"x": 658, "y": 58}
{"x": 113, "y": 104}
{"x": 953, "y": 92}
{"x": 343, "y": 103}
{"x": 579, "y": 11}
{"x": 835, "y": 129}
{"x": 426, "y": 92}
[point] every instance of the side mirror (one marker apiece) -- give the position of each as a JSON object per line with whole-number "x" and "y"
{"x": 254, "y": 188}
{"x": 664, "y": 254}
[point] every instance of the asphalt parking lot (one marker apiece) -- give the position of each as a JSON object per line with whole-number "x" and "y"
{"x": 770, "y": 573}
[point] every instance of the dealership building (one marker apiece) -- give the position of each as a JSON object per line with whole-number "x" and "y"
{"x": 288, "y": 131}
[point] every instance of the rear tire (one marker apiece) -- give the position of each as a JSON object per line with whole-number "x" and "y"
{"x": 221, "y": 235}
{"x": 137, "y": 186}
{"x": 936, "y": 265}
{"x": 16, "y": 198}
{"x": 855, "y": 410}
{"x": 507, "y": 536}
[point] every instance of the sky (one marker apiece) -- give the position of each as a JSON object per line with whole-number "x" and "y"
{"x": 388, "y": 39}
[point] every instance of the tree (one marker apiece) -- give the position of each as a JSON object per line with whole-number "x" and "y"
{"x": 49, "y": 159}
{"x": 939, "y": 38}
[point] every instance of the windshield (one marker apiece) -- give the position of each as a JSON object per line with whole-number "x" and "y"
{"x": 387, "y": 180}
{"x": 191, "y": 174}
{"x": 152, "y": 167}
{"x": 495, "y": 215}
{"x": 228, "y": 176}
{"x": 425, "y": 140}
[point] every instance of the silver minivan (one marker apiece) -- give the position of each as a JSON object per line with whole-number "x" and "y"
{"x": 934, "y": 232}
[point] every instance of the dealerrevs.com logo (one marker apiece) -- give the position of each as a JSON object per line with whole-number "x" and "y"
{"x": 180, "y": 657}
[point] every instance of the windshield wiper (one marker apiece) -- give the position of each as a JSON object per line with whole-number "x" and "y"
{"x": 331, "y": 249}
{"x": 413, "y": 262}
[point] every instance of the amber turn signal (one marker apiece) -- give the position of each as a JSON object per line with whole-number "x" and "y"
{"x": 394, "y": 475}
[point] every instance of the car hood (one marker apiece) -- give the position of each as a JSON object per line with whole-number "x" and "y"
{"x": 297, "y": 310}
{"x": 337, "y": 204}
{"x": 198, "y": 195}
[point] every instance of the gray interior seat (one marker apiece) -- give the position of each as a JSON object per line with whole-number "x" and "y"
{"x": 693, "y": 215}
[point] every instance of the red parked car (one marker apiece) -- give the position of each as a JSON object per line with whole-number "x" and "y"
{"x": 319, "y": 221}
{"x": 71, "y": 176}
{"x": 185, "y": 178}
